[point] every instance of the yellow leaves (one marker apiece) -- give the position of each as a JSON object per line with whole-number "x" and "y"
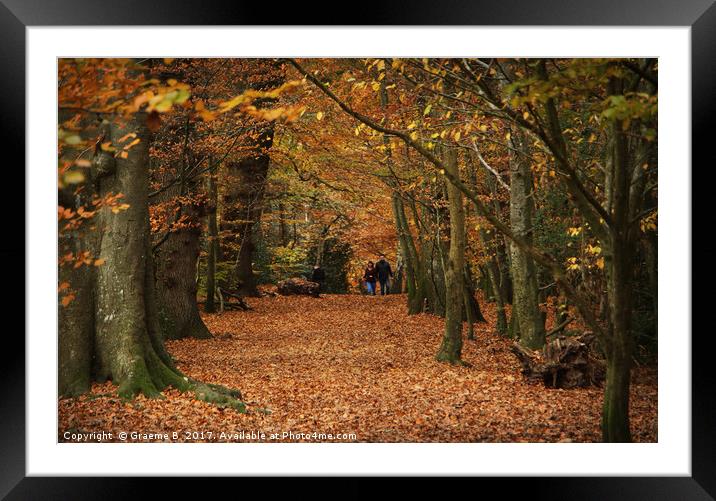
{"x": 412, "y": 125}
{"x": 375, "y": 86}
{"x": 249, "y": 96}
{"x": 572, "y": 263}
{"x": 573, "y": 232}
{"x": 319, "y": 116}
{"x": 456, "y": 135}
{"x": 73, "y": 140}
{"x": 594, "y": 249}
{"x": 600, "y": 263}
{"x": 427, "y": 109}
{"x": 508, "y": 136}
{"x": 526, "y": 115}
{"x": 120, "y": 207}
{"x": 414, "y": 135}
{"x": 649, "y": 222}
{"x": 166, "y": 97}
{"x": 73, "y": 177}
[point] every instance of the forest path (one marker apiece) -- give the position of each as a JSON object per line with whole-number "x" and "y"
{"x": 359, "y": 365}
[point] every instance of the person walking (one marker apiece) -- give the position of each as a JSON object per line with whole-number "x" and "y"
{"x": 369, "y": 275}
{"x": 384, "y": 274}
{"x": 318, "y": 276}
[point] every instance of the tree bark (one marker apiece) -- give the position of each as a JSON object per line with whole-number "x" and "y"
{"x": 411, "y": 260}
{"x": 177, "y": 255}
{"x": 618, "y": 258}
{"x": 245, "y": 181}
{"x": 212, "y": 243}
{"x": 124, "y": 339}
{"x": 176, "y": 283}
{"x": 451, "y": 348}
{"x": 525, "y": 301}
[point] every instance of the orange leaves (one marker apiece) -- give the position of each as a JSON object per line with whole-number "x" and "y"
{"x": 205, "y": 114}
{"x": 357, "y": 365}
{"x": 245, "y": 104}
{"x": 67, "y": 299}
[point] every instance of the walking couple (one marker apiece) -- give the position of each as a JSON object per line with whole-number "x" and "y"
{"x": 378, "y": 272}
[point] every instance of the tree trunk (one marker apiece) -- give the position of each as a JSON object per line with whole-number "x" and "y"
{"x": 618, "y": 258}
{"x": 176, "y": 283}
{"x": 525, "y": 301}
{"x": 493, "y": 274}
{"x": 615, "y": 413}
{"x": 212, "y": 253}
{"x": 177, "y": 256}
{"x": 451, "y": 347}
{"x": 242, "y": 201}
{"x": 411, "y": 260}
{"x": 124, "y": 339}
{"x": 283, "y": 230}
{"x": 76, "y": 320}
{"x": 473, "y": 310}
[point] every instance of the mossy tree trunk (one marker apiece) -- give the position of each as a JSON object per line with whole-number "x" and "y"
{"x": 123, "y": 337}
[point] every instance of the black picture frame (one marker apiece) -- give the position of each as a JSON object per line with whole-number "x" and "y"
{"x": 700, "y": 15}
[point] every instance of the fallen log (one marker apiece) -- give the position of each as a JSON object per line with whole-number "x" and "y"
{"x": 298, "y": 286}
{"x": 565, "y": 362}
{"x": 227, "y": 304}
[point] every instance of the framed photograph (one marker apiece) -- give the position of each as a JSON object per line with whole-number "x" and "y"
{"x": 427, "y": 241}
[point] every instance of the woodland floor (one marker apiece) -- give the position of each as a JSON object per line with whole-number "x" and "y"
{"x": 359, "y": 365}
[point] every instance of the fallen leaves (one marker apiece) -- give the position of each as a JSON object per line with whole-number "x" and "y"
{"x": 351, "y": 364}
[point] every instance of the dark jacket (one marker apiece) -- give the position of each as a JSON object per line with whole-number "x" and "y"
{"x": 318, "y": 275}
{"x": 383, "y": 270}
{"x": 370, "y": 275}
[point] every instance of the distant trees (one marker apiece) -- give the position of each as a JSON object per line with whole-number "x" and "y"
{"x": 532, "y": 179}
{"x": 591, "y": 127}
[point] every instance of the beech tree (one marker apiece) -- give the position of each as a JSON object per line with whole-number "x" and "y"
{"x": 623, "y": 95}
